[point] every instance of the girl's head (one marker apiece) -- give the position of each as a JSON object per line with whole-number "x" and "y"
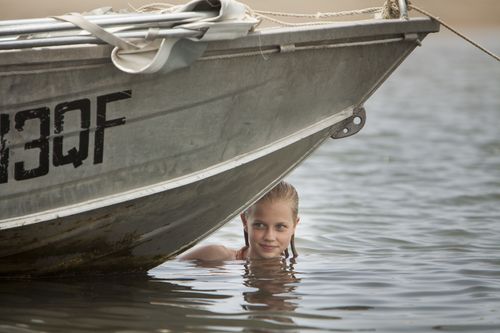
{"x": 270, "y": 223}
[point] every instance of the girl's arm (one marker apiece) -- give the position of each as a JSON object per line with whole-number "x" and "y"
{"x": 209, "y": 253}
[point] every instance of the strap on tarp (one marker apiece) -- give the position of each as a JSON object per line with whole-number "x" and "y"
{"x": 168, "y": 54}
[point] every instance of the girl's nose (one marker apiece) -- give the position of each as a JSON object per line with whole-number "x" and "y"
{"x": 269, "y": 234}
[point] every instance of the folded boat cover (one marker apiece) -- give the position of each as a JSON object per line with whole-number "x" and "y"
{"x": 168, "y": 54}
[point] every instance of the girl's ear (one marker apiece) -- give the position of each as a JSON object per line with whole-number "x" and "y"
{"x": 298, "y": 220}
{"x": 244, "y": 220}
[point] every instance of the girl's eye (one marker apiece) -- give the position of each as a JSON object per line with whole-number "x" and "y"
{"x": 281, "y": 227}
{"x": 258, "y": 225}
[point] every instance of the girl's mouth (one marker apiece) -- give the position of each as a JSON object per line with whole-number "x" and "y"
{"x": 267, "y": 248}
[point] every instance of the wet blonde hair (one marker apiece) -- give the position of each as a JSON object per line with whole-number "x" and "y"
{"x": 282, "y": 191}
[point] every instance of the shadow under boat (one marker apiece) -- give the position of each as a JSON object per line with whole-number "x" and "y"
{"x": 122, "y": 301}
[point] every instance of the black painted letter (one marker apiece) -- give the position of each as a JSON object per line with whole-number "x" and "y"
{"x": 102, "y": 123}
{"x": 4, "y": 151}
{"x": 73, "y": 156}
{"x": 43, "y": 114}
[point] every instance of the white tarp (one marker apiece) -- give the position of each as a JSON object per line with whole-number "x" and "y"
{"x": 168, "y": 54}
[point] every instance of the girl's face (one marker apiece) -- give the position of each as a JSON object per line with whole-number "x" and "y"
{"x": 270, "y": 226}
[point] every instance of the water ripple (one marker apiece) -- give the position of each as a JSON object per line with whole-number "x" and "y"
{"x": 399, "y": 230}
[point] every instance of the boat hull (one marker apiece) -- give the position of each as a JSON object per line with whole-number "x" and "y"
{"x": 102, "y": 170}
{"x": 143, "y": 233}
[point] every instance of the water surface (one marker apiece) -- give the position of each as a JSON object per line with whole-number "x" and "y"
{"x": 399, "y": 230}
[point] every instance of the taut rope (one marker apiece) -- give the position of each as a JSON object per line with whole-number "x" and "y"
{"x": 411, "y": 6}
{"x": 389, "y": 10}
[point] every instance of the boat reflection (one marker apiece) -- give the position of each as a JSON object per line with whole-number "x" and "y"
{"x": 107, "y": 304}
{"x": 141, "y": 302}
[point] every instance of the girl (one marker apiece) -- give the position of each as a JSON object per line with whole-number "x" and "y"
{"x": 269, "y": 228}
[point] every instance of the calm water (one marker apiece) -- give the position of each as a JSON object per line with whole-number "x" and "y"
{"x": 400, "y": 230}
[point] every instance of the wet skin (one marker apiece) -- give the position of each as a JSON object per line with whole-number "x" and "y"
{"x": 270, "y": 226}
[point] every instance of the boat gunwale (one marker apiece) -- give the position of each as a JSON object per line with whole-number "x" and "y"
{"x": 258, "y": 39}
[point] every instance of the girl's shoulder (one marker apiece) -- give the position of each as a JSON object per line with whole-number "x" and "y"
{"x": 212, "y": 252}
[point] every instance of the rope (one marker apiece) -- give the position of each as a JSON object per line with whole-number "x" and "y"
{"x": 320, "y": 15}
{"x": 266, "y": 15}
{"x": 455, "y": 31}
{"x": 160, "y": 7}
{"x": 391, "y": 9}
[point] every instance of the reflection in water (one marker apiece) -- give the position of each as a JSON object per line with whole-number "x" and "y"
{"x": 164, "y": 303}
{"x": 129, "y": 302}
{"x": 273, "y": 299}
{"x": 399, "y": 230}
{"x": 264, "y": 290}
{"x": 275, "y": 281}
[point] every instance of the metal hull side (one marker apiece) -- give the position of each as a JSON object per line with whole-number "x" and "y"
{"x": 143, "y": 233}
{"x": 106, "y": 171}
{"x": 99, "y": 132}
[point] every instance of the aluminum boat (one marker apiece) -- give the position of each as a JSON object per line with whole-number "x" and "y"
{"x": 102, "y": 170}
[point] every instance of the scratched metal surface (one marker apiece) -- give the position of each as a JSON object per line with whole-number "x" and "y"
{"x": 143, "y": 130}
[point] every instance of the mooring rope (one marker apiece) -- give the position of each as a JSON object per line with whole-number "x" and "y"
{"x": 411, "y": 6}
{"x": 320, "y": 15}
{"x": 389, "y": 10}
{"x": 267, "y": 15}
